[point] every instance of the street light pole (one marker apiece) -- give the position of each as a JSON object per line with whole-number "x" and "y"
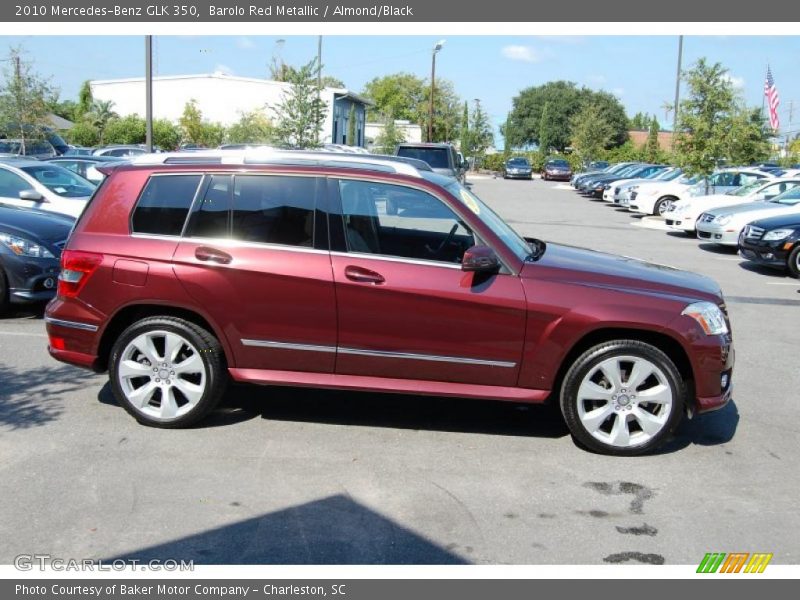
{"x": 148, "y": 87}
{"x": 677, "y": 91}
{"x": 436, "y": 48}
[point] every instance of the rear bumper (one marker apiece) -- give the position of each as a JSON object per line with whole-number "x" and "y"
{"x": 73, "y": 333}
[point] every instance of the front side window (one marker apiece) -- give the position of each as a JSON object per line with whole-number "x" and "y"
{"x": 399, "y": 221}
{"x": 164, "y": 204}
{"x": 12, "y": 184}
{"x": 274, "y": 209}
{"x": 437, "y": 158}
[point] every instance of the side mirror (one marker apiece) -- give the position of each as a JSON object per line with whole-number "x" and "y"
{"x": 480, "y": 259}
{"x": 31, "y": 195}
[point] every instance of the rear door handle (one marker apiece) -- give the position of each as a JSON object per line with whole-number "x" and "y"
{"x": 363, "y": 275}
{"x": 207, "y": 254}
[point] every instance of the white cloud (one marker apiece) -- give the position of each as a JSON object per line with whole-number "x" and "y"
{"x": 245, "y": 43}
{"x": 224, "y": 69}
{"x": 737, "y": 82}
{"x": 618, "y": 91}
{"x": 526, "y": 54}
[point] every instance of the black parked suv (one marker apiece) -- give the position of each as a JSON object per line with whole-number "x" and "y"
{"x": 442, "y": 158}
{"x": 773, "y": 242}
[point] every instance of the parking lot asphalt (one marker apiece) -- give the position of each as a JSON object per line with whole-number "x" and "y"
{"x": 287, "y": 476}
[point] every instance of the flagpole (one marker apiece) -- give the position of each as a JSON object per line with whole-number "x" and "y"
{"x": 763, "y": 97}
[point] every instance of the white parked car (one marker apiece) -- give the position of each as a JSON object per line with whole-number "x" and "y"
{"x": 656, "y": 200}
{"x": 723, "y": 225}
{"x": 623, "y": 190}
{"x": 648, "y": 195}
{"x": 44, "y": 186}
{"x": 682, "y": 215}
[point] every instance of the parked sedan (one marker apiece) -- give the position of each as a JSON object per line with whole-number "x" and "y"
{"x": 33, "y": 149}
{"x": 517, "y": 168}
{"x": 773, "y": 242}
{"x": 86, "y": 166}
{"x": 723, "y": 225}
{"x": 614, "y": 190}
{"x": 44, "y": 186}
{"x": 557, "y": 169}
{"x": 598, "y": 185}
{"x": 579, "y": 178}
{"x": 120, "y": 151}
{"x": 30, "y": 247}
{"x": 682, "y": 215}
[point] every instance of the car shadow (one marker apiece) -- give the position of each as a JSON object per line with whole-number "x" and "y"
{"x": 684, "y": 235}
{"x": 332, "y": 530}
{"x": 243, "y": 402}
{"x": 754, "y": 267}
{"x": 34, "y": 312}
{"x": 711, "y": 429}
{"x": 718, "y": 249}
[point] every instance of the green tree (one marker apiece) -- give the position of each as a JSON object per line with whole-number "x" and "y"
{"x": 25, "y": 99}
{"x": 652, "y": 151}
{"x": 130, "y": 129}
{"x": 331, "y": 81}
{"x": 400, "y": 94}
{"x": 66, "y": 109}
{"x": 640, "y": 121}
{"x": 100, "y": 115}
{"x": 463, "y": 138}
{"x": 166, "y": 135}
{"x": 252, "y": 127}
{"x": 481, "y": 136}
{"x": 746, "y": 139}
{"x": 351, "y": 127}
{"x": 389, "y": 137}
{"x": 706, "y": 119}
{"x": 564, "y": 100}
{"x": 85, "y": 100}
{"x": 83, "y": 133}
{"x": 301, "y": 112}
{"x": 548, "y": 129}
{"x": 591, "y": 132}
{"x": 191, "y": 122}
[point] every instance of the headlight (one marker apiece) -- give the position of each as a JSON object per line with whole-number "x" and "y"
{"x": 22, "y": 247}
{"x": 708, "y": 316}
{"x": 722, "y": 219}
{"x": 777, "y": 234}
{"x": 633, "y": 188}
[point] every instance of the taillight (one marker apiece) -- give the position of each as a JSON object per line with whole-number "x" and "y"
{"x": 76, "y": 268}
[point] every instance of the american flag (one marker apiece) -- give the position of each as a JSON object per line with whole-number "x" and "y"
{"x": 771, "y": 92}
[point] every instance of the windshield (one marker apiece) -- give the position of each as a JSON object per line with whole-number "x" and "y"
{"x": 10, "y": 147}
{"x": 745, "y": 190}
{"x": 558, "y": 163}
{"x": 500, "y": 228}
{"x": 61, "y": 181}
{"x": 669, "y": 175}
{"x": 655, "y": 174}
{"x": 518, "y": 162}
{"x": 435, "y": 157}
{"x": 790, "y": 197}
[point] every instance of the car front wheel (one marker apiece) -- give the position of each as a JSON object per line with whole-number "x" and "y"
{"x": 623, "y": 398}
{"x": 167, "y": 372}
{"x": 793, "y": 262}
{"x": 661, "y": 206}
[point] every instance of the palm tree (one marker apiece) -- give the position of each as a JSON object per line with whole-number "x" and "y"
{"x": 101, "y": 114}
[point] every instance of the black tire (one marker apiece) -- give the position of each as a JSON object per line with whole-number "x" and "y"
{"x": 209, "y": 351}
{"x": 793, "y": 262}
{"x": 3, "y": 292}
{"x": 585, "y": 369}
{"x": 661, "y": 205}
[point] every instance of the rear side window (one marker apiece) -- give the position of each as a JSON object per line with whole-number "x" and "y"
{"x": 274, "y": 209}
{"x": 164, "y": 204}
{"x": 437, "y": 158}
{"x": 210, "y": 218}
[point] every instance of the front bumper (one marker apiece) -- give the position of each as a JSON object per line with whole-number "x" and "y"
{"x": 518, "y": 175}
{"x": 558, "y": 175}
{"x": 642, "y": 204}
{"x": 30, "y": 279}
{"x": 680, "y": 223}
{"x": 770, "y": 254}
{"x": 718, "y": 234}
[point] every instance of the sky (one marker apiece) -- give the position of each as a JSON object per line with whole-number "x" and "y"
{"x": 639, "y": 70}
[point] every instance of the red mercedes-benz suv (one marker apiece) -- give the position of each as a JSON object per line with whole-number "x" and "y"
{"x": 365, "y": 273}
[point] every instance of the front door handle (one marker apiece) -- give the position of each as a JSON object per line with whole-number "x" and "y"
{"x": 363, "y": 275}
{"x": 207, "y": 254}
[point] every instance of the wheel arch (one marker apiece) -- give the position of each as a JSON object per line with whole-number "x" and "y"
{"x": 128, "y": 315}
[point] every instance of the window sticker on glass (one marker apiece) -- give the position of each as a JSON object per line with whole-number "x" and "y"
{"x": 467, "y": 199}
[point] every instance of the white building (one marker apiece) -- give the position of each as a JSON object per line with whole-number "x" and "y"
{"x": 411, "y": 132}
{"x": 223, "y": 98}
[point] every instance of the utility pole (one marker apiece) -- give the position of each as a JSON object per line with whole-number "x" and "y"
{"x": 148, "y": 91}
{"x": 675, "y": 108}
{"x": 436, "y": 48}
{"x": 319, "y": 83}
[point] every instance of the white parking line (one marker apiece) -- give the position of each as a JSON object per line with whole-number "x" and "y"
{"x": 561, "y": 186}
{"x": 736, "y": 258}
{"x": 652, "y": 223}
{"x": 23, "y": 334}
{"x": 794, "y": 283}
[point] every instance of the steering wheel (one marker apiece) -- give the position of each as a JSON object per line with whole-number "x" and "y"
{"x": 445, "y": 242}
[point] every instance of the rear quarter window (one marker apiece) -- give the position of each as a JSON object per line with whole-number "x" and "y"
{"x": 164, "y": 204}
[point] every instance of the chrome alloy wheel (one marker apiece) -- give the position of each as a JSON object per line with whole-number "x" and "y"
{"x": 625, "y": 401}
{"x": 162, "y": 375}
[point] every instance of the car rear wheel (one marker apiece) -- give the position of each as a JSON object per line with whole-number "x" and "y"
{"x": 167, "y": 372}
{"x": 623, "y": 398}
{"x": 3, "y": 292}
{"x": 793, "y": 262}
{"x": 661, "y": 206}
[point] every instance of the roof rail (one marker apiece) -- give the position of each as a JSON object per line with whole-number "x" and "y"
{"x": 271, "y": 156}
